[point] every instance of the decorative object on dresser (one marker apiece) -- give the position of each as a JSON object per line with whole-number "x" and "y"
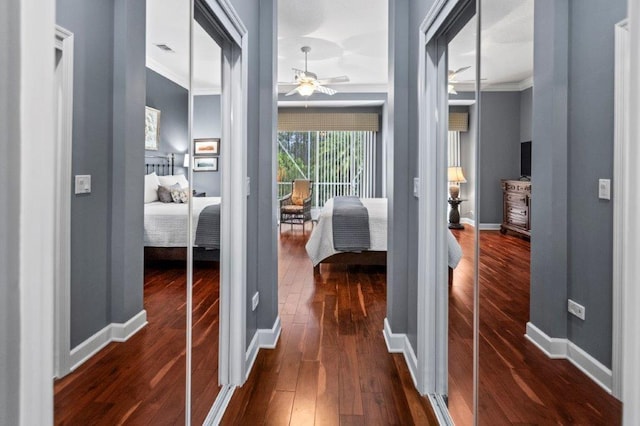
{"x": 516, "y": 204}
{"x": 454, "y": 213}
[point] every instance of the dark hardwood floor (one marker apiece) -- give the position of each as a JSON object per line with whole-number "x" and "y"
{"x": 331, "y": 364}
{"x": 518, "y": 383}
{"x": 142, "y": 381}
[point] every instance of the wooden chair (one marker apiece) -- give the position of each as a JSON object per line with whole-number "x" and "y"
{"x": 295, "y": 207}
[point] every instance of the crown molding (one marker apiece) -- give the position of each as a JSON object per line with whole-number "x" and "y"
{"x": 517, "y": 86}
{"x": 164, "y": 71}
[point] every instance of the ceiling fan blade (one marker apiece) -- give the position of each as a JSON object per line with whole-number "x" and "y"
{"x": 459, "y": 70}
{"x": 325, "y": 90}
{"x": 297, "y": 71}
{"x": 292, "y": 92}
{"x": 332, "y": 80}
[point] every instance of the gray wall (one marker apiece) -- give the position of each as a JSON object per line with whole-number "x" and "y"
{"x": 259, "y": 17}
{"x": 468, "y": 148}
{"x": 573, "y": 133}
{"x": 206, "y": 124}
{"x": 499, "y": 149}
{"x": 590, "y": 220}
{"x": 399, "y": 172}
{"x": 92, "y": 24}
{"x": 10, "y": 324}
{"x": 526, "y": 105}
{"x": 173, "y": 102}
{"x": 127, "y": 274}
{"x": 106, "y": 231}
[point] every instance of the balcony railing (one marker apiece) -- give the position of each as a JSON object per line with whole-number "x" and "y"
{"x": 322, "y": 191}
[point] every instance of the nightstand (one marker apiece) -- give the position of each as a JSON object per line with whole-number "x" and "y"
{"x": 199, "y": 194}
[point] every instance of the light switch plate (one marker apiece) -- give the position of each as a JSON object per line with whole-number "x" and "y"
{"x": 248, "y": 186}
{"x": 416, "y": 187}
{"x": 83, "y": 184}
{"x": 604, "y": 189}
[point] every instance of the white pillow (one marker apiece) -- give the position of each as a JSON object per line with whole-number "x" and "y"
{"x": 171, "y": 180}
{"x": 151, "y": 184}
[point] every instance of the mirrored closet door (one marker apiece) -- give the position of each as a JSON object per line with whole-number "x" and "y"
{"x": 128, "y": 276}
{"x": 461, "y": 146}
{"x": 545, "y": 133}
{"x": 206, "y": 158}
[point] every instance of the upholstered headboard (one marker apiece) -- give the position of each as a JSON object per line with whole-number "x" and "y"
{"x": 161, "y": 164}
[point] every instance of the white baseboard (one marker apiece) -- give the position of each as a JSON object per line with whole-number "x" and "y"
{"x": 467, "y": 221}
{"x": 399, "y": 343}
{"x": 489, "y": 226}
{"x": 114, "y": 332}
{"x": 219, "y": 406}
{"x": 263, "y": 339}
{"x": 565, "y": 349}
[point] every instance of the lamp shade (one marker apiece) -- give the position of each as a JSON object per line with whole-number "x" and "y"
{"x": 455, "y": 175}
{"x": 186, "y": 160}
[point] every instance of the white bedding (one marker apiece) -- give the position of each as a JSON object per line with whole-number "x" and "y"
{"x": 320, "y": 244}
{"x": 165, "y": 224}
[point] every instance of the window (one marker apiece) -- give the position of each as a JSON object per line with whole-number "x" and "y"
{"x": 338, "y": 162}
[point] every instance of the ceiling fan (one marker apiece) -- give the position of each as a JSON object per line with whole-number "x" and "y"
{"x": 452, "y": 79}
{"x": 308, "y": 82}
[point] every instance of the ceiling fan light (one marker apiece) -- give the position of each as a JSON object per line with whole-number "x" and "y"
{"x": 306, "y": 89}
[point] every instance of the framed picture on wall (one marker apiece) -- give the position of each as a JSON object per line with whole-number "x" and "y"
{"x": 205, "y": 164}
{"x": 151, "y": 128}
{"x": 208, "y": 146}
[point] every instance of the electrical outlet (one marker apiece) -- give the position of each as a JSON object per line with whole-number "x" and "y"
{"x": 255, "y": 300}
{"x": 576, "y": 309}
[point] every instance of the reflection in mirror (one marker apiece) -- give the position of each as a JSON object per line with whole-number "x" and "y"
{"x": 127, "y": 326}
{"x": 461, "y": 150}
{"x": 537, "y": 143}
{"x": 206, "y": 150}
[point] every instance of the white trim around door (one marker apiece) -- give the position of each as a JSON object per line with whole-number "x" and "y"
{"x": 621, "y": 220}
{"x": 62, "y": 210}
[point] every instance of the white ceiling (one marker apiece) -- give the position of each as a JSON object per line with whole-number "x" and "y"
{"x": 346, "y": 38}
{"x": 168, "y": 23}
{"x": 506, "y": 46}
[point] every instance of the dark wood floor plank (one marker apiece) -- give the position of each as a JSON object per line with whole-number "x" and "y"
{"x": 142, "y": 380}
{"x": 331, "y": 361}
{"x": 518, "y": 383}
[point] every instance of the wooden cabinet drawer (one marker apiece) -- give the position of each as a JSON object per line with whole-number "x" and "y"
{"x": 517, "y": 220}
{"x": 516, "y": 208}
{"x": 516, "y": 198}
{"x": 516, "y": 186}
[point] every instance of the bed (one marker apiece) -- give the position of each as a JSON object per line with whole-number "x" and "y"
{"x": 320, "y": 246}
{"x": 166, "y": 207}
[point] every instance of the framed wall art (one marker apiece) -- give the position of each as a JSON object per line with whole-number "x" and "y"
{"x": 208, "y": 146}
{"x": 151, "y": 128}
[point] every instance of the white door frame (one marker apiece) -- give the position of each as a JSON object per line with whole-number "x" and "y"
{"x": 62, "y": 211}
{"x": 432, "y": 365}
{"x": 233, "y": 209}
{"x": 432, "y": 205}
{"x": 621, "y": 192}
{"x": 631, "y": 235}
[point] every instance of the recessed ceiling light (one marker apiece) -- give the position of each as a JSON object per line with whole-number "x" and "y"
{"x": 164, "y": 47}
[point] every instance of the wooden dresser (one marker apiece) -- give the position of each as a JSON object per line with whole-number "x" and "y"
{"x": 516, "y": 207}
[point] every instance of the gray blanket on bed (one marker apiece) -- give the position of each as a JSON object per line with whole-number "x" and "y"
{"x": 208, "y": 230}
{"x": 350, "y": 225}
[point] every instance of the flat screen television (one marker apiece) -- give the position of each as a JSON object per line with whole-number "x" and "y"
{"x": 525, "y": 159}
